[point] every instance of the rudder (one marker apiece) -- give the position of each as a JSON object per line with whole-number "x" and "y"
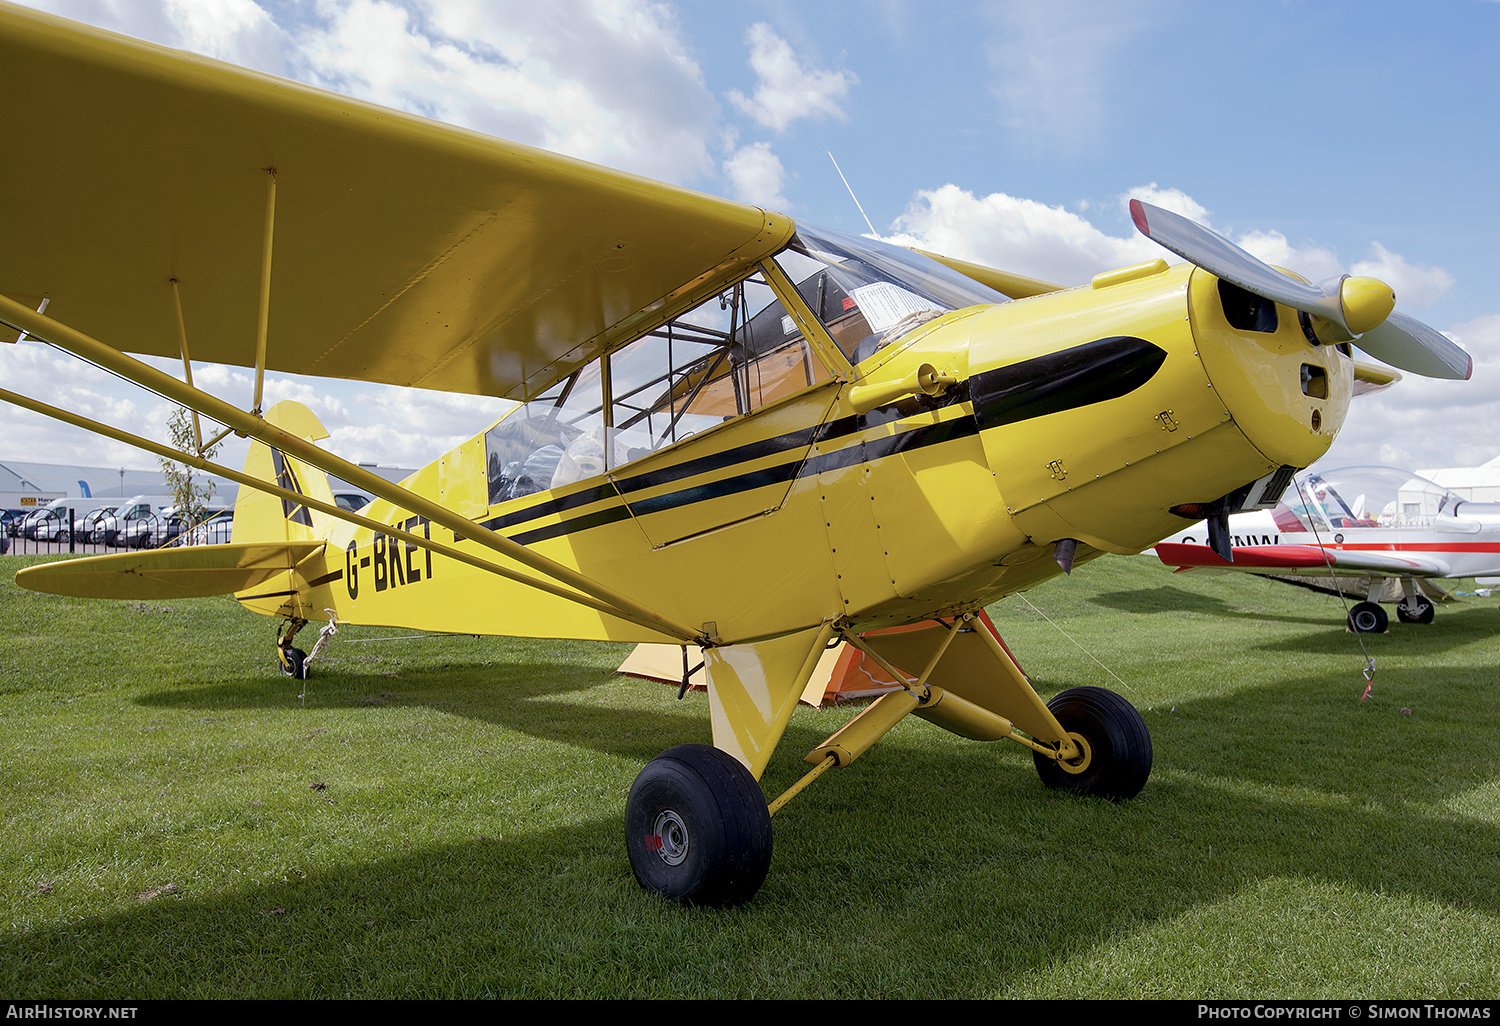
{"x": 260, "y": 516}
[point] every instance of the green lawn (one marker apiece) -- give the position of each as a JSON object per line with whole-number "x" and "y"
{"x": 442, "y": 817}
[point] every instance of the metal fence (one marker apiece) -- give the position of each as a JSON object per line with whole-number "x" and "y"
{"x": 75, "y": 531}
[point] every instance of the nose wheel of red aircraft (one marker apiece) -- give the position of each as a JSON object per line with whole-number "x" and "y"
{"x": 1114, "y": 745}
{"x": 1369, "y": 618}
{"x": 1420, "y": 610}
{"x": 697, "y": 828}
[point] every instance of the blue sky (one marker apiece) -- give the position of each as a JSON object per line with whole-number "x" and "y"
{"x": 1323, "y": 135}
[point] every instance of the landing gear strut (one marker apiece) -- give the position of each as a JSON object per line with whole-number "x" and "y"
{"x": 291, "y": 661}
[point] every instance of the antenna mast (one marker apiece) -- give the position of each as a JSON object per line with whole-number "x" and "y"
{"x": 852, "y": 196}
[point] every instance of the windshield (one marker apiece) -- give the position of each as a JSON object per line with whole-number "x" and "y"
{"x": 1366, "y": 497}
{"x": 870, "y": 293}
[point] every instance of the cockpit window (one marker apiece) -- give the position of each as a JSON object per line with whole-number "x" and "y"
{"x": 1369, "y": 497}
{"x": 733, "y": 354}
{"x": 869, "y": 294}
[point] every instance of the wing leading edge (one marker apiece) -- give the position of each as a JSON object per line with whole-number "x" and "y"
{"x": 187, "y": 572}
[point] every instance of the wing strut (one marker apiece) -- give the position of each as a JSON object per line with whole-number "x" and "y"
{"x": 243, "y": 423}
{"x": 246, "y": 480}
{"x": 187, "y": 361}
{"x": 263, "y": 312}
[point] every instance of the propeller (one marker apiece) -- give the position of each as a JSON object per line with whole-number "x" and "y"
{"x": 1347, "y": 308}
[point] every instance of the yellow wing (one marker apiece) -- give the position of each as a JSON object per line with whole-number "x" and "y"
{"x": 191, "y": 572}
{"x": 1007, "y": 283}
{"x": 403, "y": 250}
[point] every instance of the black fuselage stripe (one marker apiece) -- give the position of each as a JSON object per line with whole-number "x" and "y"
{"x": 906, "y": 441}
{"x": 1081, "y": 376}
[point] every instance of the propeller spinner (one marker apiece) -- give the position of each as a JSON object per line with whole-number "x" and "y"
{"x": 1345, "y": 308}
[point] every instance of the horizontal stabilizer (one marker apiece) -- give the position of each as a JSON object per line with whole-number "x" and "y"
{"x": 188, "y": 572}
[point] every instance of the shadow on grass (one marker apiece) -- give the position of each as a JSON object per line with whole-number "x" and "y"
{"x": 531, "y": 698}
{"x": 1169, "y": 599}
{"x": 1452, "y": 628}
{"x": 931, "y": 845}
{"x": 1459, "y": 620}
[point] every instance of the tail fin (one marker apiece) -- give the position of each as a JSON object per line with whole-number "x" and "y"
{"x": 259, "y": 517}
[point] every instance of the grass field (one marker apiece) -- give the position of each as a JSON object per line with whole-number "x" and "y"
{"x": 443, "y": 817}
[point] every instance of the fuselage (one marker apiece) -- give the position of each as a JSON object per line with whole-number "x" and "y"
{"x": 848, "y": 492}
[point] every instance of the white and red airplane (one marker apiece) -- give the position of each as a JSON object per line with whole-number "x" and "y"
{"x": 1364, "y": 524}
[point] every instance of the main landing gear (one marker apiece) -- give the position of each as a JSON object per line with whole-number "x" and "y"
{"x": 1114, "y": 757}
{"x": 1369, "y": 618}
{"x": 697, "y": 826}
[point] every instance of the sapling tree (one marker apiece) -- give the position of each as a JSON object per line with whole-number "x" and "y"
{"x": 189, "y": 494}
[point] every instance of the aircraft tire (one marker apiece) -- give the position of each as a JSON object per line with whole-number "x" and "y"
{"x": 1368, "y": 618}
{"x": 697, "y": 828}
{"x": 1118, "y": 760}
{"x": 1423, "y": 613}
{"x": 295, "y": 666}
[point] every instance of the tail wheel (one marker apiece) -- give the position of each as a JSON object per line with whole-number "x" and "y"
{"x": 1368, "y": 618}
{"x": 697, "y": 828}
{"x": 1114, "y": 745}
{"x": 293, "y": 662}
{"x": 1421, "y": 610}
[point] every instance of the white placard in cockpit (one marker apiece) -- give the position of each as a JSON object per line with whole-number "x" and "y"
{"x": 883, "y": 303}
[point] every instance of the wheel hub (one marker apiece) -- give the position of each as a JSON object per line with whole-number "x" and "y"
{"x": 673, "y": 835}
{"x": 1085, "y": 756}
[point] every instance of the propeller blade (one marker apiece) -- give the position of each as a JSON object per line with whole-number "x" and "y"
{"x": 1209, "y": 250}
{"x": 1393, "y": 338}
{"x": 1406, "y": 342}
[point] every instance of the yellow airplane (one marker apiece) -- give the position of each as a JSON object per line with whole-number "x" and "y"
{"x": 735, "y": 433}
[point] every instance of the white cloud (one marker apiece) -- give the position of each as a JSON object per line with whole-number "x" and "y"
{"x": 34, "y": 369}
{"x": 610, "y": 83}
{"x": 1058, "y": 245}
{"x": 756, "y": 176}
{"x": 1312, "y": 262}
{"x": 1018, "y": 235}
{"x": 787, "y": 90}
{"x": 1415, "y": 286}
{"x": 239, "y": 31}
{"x": 1175, "y": 200}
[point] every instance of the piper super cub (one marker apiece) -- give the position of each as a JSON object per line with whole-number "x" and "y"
{"x": 735, "y": 433}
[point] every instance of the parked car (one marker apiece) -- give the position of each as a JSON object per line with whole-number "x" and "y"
{"x": 91, "y": 527}
{"x": 17, "y": 526}
{"x": 136, "y": 531}
{"x": 51, "y": 524}
{"x": 163, "y": 529}
{"x": 216, "y": 530}
{"x": 48, "y": 523}
{"x": 123, "y": 517}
